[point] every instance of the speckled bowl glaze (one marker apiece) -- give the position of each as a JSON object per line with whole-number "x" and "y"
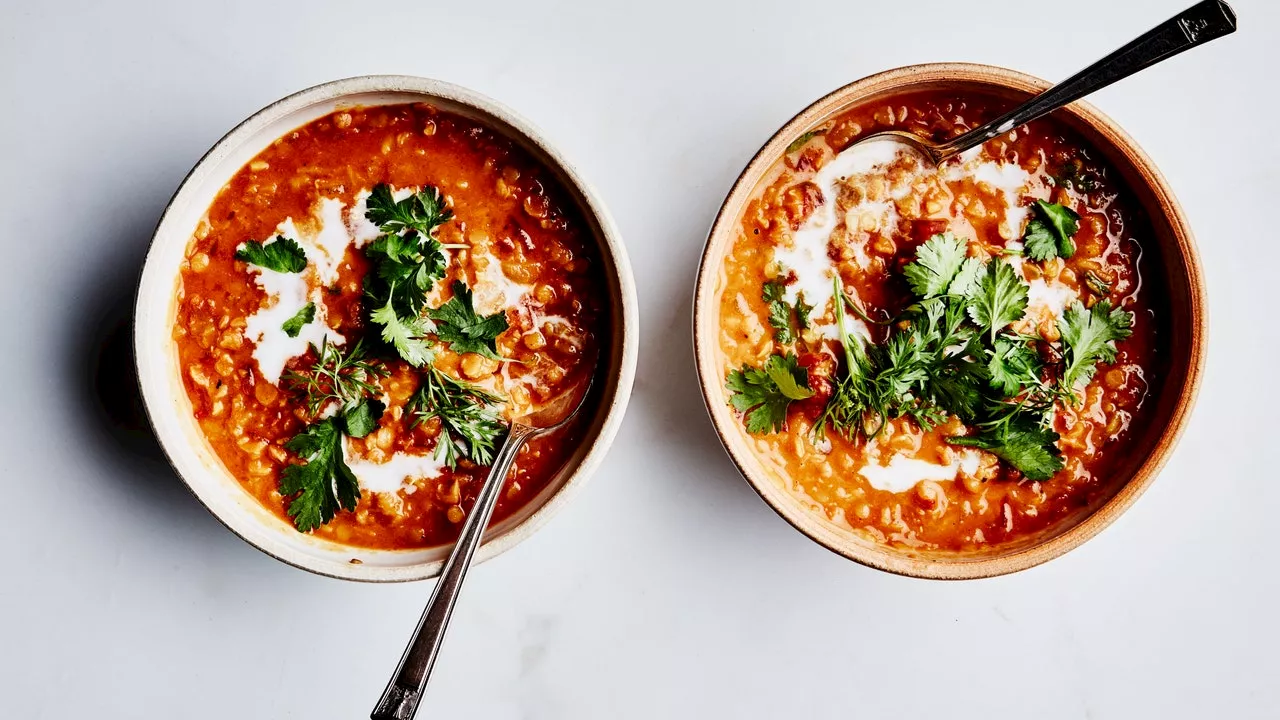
{"x": 159, "y": 374}
{"x": 1176, "y": 263}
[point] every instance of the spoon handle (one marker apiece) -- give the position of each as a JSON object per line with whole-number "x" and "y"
{"x": 400, "y": 700}
{"x": 1194, "y": 26}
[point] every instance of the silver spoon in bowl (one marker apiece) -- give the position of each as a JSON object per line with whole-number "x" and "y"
{"x": 1194, "y": 26}
{"x": 400, "y": 700}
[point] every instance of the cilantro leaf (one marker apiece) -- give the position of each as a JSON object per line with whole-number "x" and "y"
{"x": 1022, "y": 443}
{"x": 1039, "y": 241}
{"x": 764, "y": 394}
{"x": 423, "y": 211}
{"x": 362, "y": 418}
{"x": 999, "y": 299}
{"x": 294, "y": 325}
{"x": 1050, "y": 233}
{"x": 938, "y": 262}
{"x": 323, "y": 483}
{"x": 1012, "y": 365}
{"x": 967, "y": 277}
{"x": 283, "y": 255}
{"x": 1088, "y": 337}
{"x": 406, "y": 335}
{"x": 467, "y": 332}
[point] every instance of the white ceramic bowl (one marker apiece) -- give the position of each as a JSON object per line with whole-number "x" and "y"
{"x": 159, "y": 374}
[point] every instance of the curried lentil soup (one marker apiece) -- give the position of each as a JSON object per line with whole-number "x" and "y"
{"x": 363, "y": 307}
{"x": 939, "y": 358}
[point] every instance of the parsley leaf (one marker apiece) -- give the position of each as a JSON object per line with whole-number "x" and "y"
{"x": 764, "y": 394}
{"x": 803, "y": 310}
{"x": 405, "y": 334}
{"x": 282, "y": 255}
{"x": 1050, "y": 233}
{"x": 323, "y": 484}
{"x": 773, "y": 293}
{"x": 294, "y": 325}
{"x": 1088, "y": 336}
{"x": 423, "y": 211}
{"x": 464, "y": 330}
{"x": 999, "y": 299}
{"x": 1022, "y": 443}
{"x": 938, "y": 262}
{"x": 405, "y": 268}
{"x": 469, "y": 422}
{"x": 362, "y": 418}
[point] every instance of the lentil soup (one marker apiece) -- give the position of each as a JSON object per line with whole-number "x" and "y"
{"x": 365, "y": 304}
{"x": 941, "y": 359}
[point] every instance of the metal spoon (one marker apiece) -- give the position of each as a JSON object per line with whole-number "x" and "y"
{"x": 400, "y": 700}
{"x": 1194, "y": 26}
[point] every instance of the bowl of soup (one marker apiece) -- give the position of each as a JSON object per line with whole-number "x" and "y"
{"x": 349, "y": 298}
{"x": 956, "y": 371}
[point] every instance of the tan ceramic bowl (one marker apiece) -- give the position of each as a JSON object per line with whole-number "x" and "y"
{"x": 170, "y": 410}
{"x": 1182, "y": 333}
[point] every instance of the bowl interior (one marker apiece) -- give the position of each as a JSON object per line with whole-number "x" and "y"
{"x": 170, "y": 409}
{"x": 1171, "y": 275}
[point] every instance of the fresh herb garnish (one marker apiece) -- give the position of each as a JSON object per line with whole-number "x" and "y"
{"x": 362, "y": 418}
{"x": 405, "y": 334}
{"x": 294, "y": 325}
{"x": 347, "y": 379}
{"x": 283, "y": 255}
{"x": 1050, "y": 233}
{"x": 1022, "y": 443}
{"x": 942, "y": 268}
{"x": 469, "y": 422}
{"x": 1088, "y": 337}
{"x": 951, "y": 353}
{"x": 423, "y": 211}
{"x": 781, "y": 312}
{"x": 465, "y": 331}
{"x": 803, "y": 139}
{"x": 323, "y": 483}
{"x": 1097, "y": 284}
{"x": 764, "y": 394}
{"x": 999, "y": 299}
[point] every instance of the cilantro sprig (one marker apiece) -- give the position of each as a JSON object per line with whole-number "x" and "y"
{"x": 952, "y": 352}
{"x": 1050, "y": 234}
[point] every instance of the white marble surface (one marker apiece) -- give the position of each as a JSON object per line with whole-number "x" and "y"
{"x": 667, "y": 589}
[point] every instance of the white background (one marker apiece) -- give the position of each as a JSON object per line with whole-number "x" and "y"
{"x": 667, "y": 589}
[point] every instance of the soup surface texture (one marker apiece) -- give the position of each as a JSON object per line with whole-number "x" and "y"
{"x": 938, "y": 358}
{"x": 363, "y": 307}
